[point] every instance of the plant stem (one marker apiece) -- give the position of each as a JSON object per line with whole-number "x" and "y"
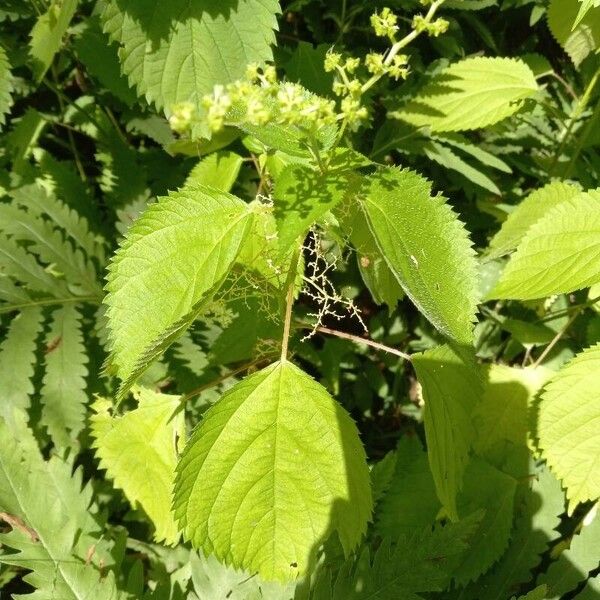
{"x": 556, "y": 339}
{"x": 359, "y": 340}
{"x": 50, "y": 302}
{"x": 289, "y": 303}
{"x": 221, "y": 379}
{"x": 577, "y": 111}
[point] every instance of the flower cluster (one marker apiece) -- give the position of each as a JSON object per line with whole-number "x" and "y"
{"x": 434, "y": 28}
{"x": 260, "y": 99}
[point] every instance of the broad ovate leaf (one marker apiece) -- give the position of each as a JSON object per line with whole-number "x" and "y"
{"x": 173, "y": 256}
{"x": 569, "y": 437}
{"x": 426, "y": 247}
{"x": 271, "y": 471}
{"x": 533, "y": 208}
{"x": 559, "y": 254}
{"x": 470, "y": 94}
{"x": 452, "y": 389}
{"x": 177, "y": 51}
{"x": 139, "y": 452}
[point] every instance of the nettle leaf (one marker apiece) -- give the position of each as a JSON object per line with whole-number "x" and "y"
{"x": 569, "y": 411}
{"x": 218, "y": 170}
{"x": 99, "y": 56}
{"x": 265, "y": 479}
{"x": 470, "y": 94}
{"x": 533, "y": 208}
{"x": 574, "y": 564}
{"x": 559, "y": 254}
{"x": 6, "y": 86}
{"x": 406, "y": 567}
{"x": 503, "y": 412}
{"x": 452, "y": 389}
{"x": 139, "y": 452}
{"x": 177, "y": 51}
{"x": 377, "y": 275}
{"x": 303, "y": 195}
{"x": 47, "y": 35}
{"x": 174, "y": 255}
{"x": 538, "y": 508}
{"x": 578, "y": 36}
{"x": 410, "y": 503}
{"x": 493, "y": 492}
{"x": 426, "y": 247}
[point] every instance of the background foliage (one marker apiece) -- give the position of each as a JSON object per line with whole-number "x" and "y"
{"x": 331, "y": 331}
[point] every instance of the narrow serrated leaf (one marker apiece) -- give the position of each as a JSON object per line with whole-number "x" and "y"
{"x": 452, "y": 389}
{"x": 426, "y": 247}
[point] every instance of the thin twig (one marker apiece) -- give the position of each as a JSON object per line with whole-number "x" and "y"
{"x": 556, "y": 339}
{"x": 359, "y": 340}
{"x": 221, "y": 379}
{"x": 50, "y": 302}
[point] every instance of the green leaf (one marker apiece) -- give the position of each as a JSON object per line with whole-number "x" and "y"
{"x": 448, "y": 158}
{"x": 174, "y": 255}
{"x": 591, "y": 591}
{"x": 470, "y": 94}
{"x": 218, "y": 170}
{"x": 584, "y": 8}
{"x": 177, "y": 51}
{"x": 489, "y": 490}
{"x": 6, "y": 86}
{"x": 305, "y": 67}
{"x": 17, "y": 361}
{"x": 559, "y": 254}
{"x": 538, "y": 508}
{"x": 426, "y": 247}
{"x": 303, "y": 195}
{"x": 50, "y": 246}
{"x": 42, "y": 203}
{"x": 265, "y": 479}
{"x": 578, "y": 35}
{"x": 214, "y": 580}
{"x": 574, "y": 564}
{"x": 569, "y": 410}
{"x": 53, "y": 526}
{"x": 100, "y": 58}
{"x": 452, "y": 389}
{"x": 502, "y": 416}
{"x": 416, "y": 564}
{"x": 410, "y": 503}
{"x": 47, "y": 35}
{"x": 377, "y": 275}
{"x": 144, "y": 466}
{"x": 63, "y": 393}
{"x": 539, "y": 593}
{"x": 527, "y": 213}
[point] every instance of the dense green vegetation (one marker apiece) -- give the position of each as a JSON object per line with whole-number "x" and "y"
{"x": 300, "y": 300}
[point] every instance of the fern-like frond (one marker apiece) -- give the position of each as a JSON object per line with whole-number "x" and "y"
{"x": 17, "y": 361}
{"x": 54, "y": 534}
{"x": 50, "y": 246}
{"x": 63, "y": 391}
